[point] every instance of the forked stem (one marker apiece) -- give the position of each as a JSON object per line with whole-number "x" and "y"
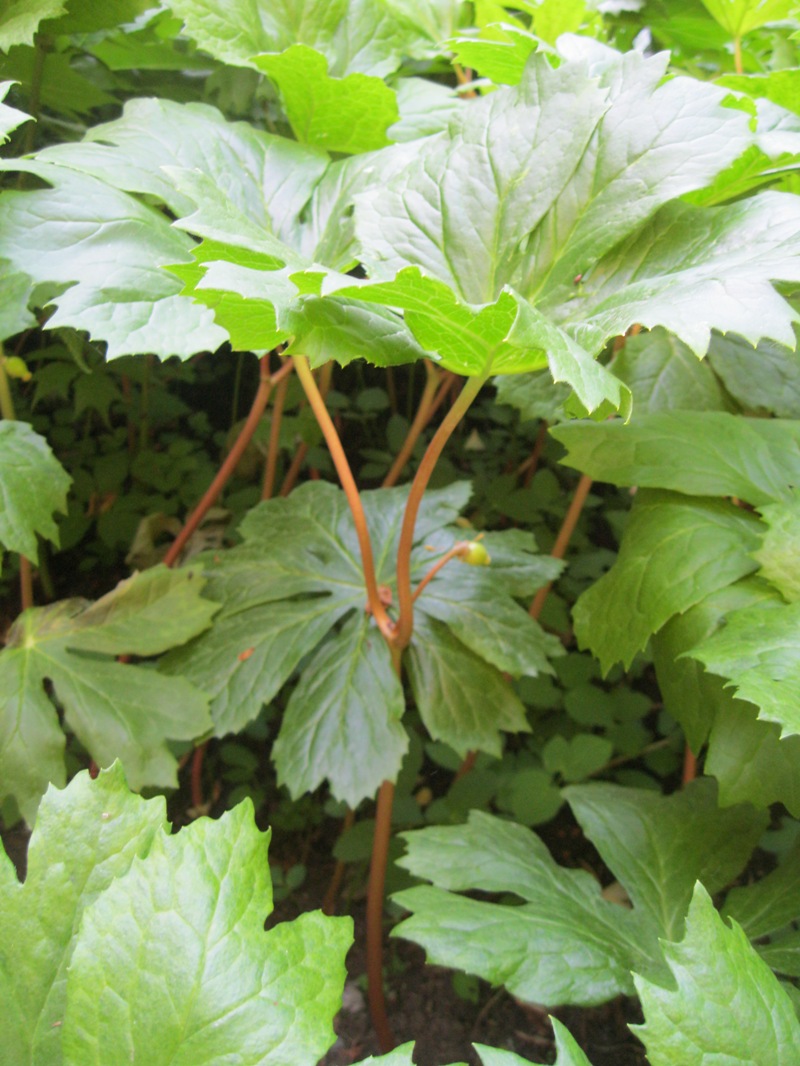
{"x": 350, "y": 488}
{"x": 405, "y": 597}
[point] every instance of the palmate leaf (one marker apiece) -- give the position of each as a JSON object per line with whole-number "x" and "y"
{"x": 298, "y": 575}
{"x": 116, "y": 710}
{"x": 722, "y": 1003}
{"x": 365, "y": 36}
{"x": 745, "y": 753}
{"x": 566, "y": 943}
{"x": 118, "y": 922}
{"x": 33, "y": 485}
{"x": 85, "y": 837}
{"x": 106, "y": 250}
{"x": 484, "y": 209}
{"x": 675, "y": 551}
{"x": 739, "y": 17}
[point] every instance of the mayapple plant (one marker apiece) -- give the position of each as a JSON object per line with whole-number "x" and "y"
{"x": 499, "y": 234}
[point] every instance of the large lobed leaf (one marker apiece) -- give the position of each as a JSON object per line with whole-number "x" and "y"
{"x": 722, "y": 1004}
{"x": 676, "y": 550}
{"x": 297, "y": 578}
{"x": 118, "y": 922}
{"x": 566, "y": 943}
{"x": 117, "y": 710}
{"x": 700, "y": 453}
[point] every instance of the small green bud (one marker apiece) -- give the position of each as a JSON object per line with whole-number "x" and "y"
{"x": 16, "y": 368}
{"x": 475, "y": 554}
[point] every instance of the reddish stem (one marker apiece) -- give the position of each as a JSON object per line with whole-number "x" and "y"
{"x": 423, "y": 416}
{"x": 350, "y": 488}
{"x": 329, "y": 902}
{"x": 211, "y": 495}
{"x": 529, "y": 467}
{"x": 198, "y": 757}
{"x": 274, "y": 439}
{"x": 375, "y": 891}
{"x": 25, "y": 583}
{"x": 689, "y": 765}
{"x": 405, "y": 598}
{"x": 293, "y": 472}
{"x": 563, "y": 538}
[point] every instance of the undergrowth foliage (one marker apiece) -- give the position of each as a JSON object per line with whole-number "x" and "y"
{"x": 538, "y": 197}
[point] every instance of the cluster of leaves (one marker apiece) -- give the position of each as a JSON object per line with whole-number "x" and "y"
{"x": 511, "y": 227}
{"x": 712, "y": 581}
{"x": 133, "y": 923}
{"x": 296, "y": 580}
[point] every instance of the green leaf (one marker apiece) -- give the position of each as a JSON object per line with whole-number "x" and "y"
{"x": 190, "y": 917}
{"x": 771, "y": 903}
{"x": 330, "y": 728}
{"x": 749, "y": 759}
{"x": 20, "y": 20}
{"x": 349, "y": 114}
{"x": 692, "y": 696}
{"x": 84, "y": 16}
{"x": 17, "y": 290}
{"x": 536, "y": 396}
{"x": 106, "y": 250}
{"x": 85, "y": 837}
{"x": 33, "y": 484}
{"x": 739, "y": 17}
{"x": 664, "y": 375}
{"x": 759, "y": 652}
{"x": 567, "y": 1051}
{"x": 765, "y": 378}
{"x": 266, "y": 178}
{"x": 723, "y": 1003}
{"x": 115, "y": 709}
{"x": 498, "y": 52}
{"x": 354, "y": 35}
{"x": 779, "y": 554}
{"x": 578, "y": 757}
{"x": 702, "y": 453}
{"x": 688, "y": 271}
{"x": 462, "y": 699}
{"x": 482, "y": 615}
{"x": 298, "y": 574}
{"x": 659, "y": 846}
{"x": 10, "y": 117}
{"x": 674, "y": 553}
{"x": 564, "y": 944}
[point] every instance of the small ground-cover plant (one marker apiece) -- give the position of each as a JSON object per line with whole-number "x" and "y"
{"x": 518, "y": 227}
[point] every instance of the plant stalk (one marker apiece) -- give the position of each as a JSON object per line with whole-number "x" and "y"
{"x": 423, "y": 416}
{"x": 350, "y": 488}
{"x": 223, "y": 474}
{"x": 375, "y": 891}
{"x": 405, "y": 598}
{"x": 563, "y": 538}
{"x": 274, "y": 439}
